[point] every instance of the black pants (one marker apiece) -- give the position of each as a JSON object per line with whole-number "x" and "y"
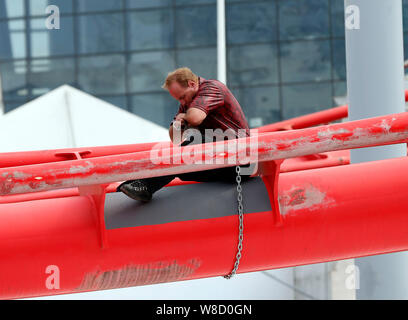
{"x": 227, "y": 175}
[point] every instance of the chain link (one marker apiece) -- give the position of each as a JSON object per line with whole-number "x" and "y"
{"x": 241, "y": 223}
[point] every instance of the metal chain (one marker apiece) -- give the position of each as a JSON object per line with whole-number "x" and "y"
{"x": 241, "y": 223}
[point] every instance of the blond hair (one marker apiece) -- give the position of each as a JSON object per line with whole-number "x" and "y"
{"x": 181, "y": 75}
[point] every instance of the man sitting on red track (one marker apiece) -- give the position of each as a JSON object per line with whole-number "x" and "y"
{"x": 204, "y": 104}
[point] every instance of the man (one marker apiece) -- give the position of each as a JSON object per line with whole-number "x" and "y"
{"x": 204, "y": 104}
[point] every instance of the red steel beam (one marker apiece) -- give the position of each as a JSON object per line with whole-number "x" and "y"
{"x": 327, "y": 214}
{"x": 315, "y": 161}
{"x": 21, "y": 158}
{"x": 271, "y": 146}
{"x": 310, "y": 120}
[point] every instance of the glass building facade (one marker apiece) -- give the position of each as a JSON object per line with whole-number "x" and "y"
{"x": 285, "y": 58}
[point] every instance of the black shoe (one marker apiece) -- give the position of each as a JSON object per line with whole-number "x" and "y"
{"x": 136, "y": 190}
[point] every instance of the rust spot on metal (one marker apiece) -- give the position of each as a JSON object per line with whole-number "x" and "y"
{"x": 6, "y": 184}
{"x": 133, "y": 275}
{"x": 34, "y": 185}
{"x": 296, "y": 197}
{"x": 308, "y": 197}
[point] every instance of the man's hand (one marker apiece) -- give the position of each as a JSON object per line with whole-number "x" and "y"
{"x": 180, "y": 121}
{"x": 177, "y": 128}
{"x": 191, "y": 119}
{"x": 180, "y": 116}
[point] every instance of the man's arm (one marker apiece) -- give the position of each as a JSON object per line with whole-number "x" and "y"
{"x": 195, "y": 116}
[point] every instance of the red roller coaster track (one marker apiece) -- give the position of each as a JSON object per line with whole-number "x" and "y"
{"x": 57, "y": 208}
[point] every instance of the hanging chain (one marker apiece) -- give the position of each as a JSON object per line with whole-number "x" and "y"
{"x": 241, "y": 223}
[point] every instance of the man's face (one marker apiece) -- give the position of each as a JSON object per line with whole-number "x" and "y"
{"x": 183, "y": 94}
